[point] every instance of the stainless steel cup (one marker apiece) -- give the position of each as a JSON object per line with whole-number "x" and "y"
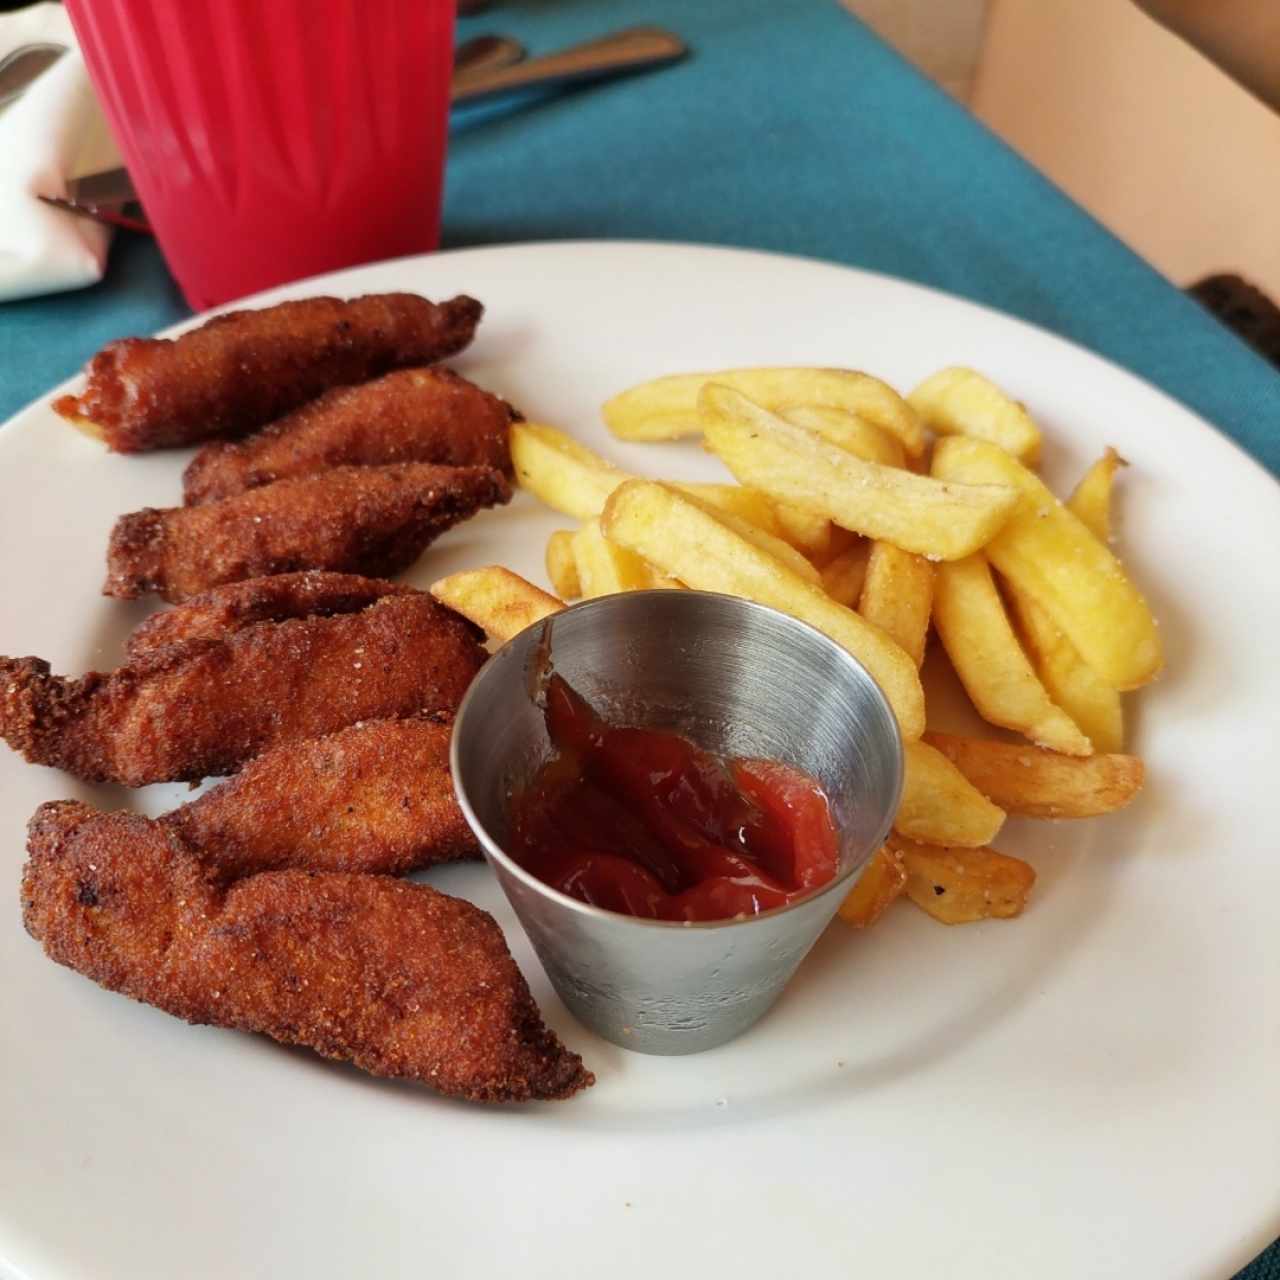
{"x": 736, "y": 678}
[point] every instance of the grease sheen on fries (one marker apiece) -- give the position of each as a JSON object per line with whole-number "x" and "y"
{"x": 667, "y": 408}
{"x": 960, "y": 401}
{"x": 940, "y": 805}
{"x": 688, "y": 542}
{"x": 499, "y": 602}
{"x": 882, "y": 880}
{"x": 605, "y": 569}
{"x": 1035, "y": 783}
{"x": 960, "y": 886}
{"x": 897, "y": 596}
{"x": 1050, "y": 554}
{"x": 917, "y": 513}
{"x": 979, "y": 640}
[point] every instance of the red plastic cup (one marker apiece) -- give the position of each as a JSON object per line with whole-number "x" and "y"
{"x": 273, "y": 139}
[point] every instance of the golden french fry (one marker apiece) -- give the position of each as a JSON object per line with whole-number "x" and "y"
{"x": 604, "y": 568}
{"x": 499, "y": 602}
{"x": 667, "y": 408}
{"x": 561, "y": 568}
{"x": 685, "y": 540}
{"x": 897, "y": 596}
{"x": 842, "y": 578}
{"x": 566, "y": 475}
{"x": 864, "y": 439}
{"x": 959, "y": 886}
{"x": 1090, "y": 502}
{"x": 979, "y": 640}
{"x": 767, "y": 543}
{"x": 916, "y": 513}
{"x": 959, "y": 401}
{"x": 882, "y": 880}
{"x": 1068, "y": 679}
{"x": 1035, "y": 783}
{"x": 807, "y": 531}
{"x": 940, "y": 805}
{"x": 1050, "y": 555}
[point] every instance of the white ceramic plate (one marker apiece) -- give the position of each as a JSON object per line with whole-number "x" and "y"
{"x": 1088, "y": 1091}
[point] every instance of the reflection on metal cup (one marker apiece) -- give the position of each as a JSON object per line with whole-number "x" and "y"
{"x": 738, "y": 679}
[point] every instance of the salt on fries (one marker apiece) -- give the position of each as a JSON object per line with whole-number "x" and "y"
{"x": 959, "y": 401}
{"x": 843, "y": 521}
{"x": 668, "y": 408}
{"x": 917, "y": 513}
{"x": 1049, "y": 553}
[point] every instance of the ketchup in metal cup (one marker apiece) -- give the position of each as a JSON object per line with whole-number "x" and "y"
{"x": 643, "y": 822}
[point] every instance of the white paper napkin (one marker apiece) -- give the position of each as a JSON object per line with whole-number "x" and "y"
{"x": 54, "y": 132}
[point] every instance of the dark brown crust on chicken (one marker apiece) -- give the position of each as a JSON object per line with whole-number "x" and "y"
{"x": 217, "y": 613}
{"x": 368, "y": 520}
{"x": 412, "y": 415}
{"x": 376, "y": 797}
{"x": 392, "y": 976}
{"x": 246, "y": 368}
{"x": 203, "y": 708}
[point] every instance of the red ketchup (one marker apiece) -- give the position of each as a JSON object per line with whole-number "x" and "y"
{"x": 643, "y": 822}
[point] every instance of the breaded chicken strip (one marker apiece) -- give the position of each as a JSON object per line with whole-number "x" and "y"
{"x": 413, "y": 415}
{"x": 245, "y": 368}
{"x": 367, "y": 520}
{"x": 215, "y": 614}
{"x": 203, "y": 708}
{"x": 376, "y": 797}
{"x": 389, "y": 975}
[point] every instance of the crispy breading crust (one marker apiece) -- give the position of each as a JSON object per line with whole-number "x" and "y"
{"x": 245, "y": 368}
{"x": 216, "y": 613}
{"x": 412, "y": 415}
{"x": 367, "y": 520}
{"x": 392, "y": 976}
{"x": 202, "y": 708}
{"x": 376, "y": 797}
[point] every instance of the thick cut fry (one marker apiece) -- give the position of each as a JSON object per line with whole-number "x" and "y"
{"x": 767, "y": 543}
{"x": 959, "y": 886}
{"x": 917, "y": 513}
{"x": 898, "y": 596}
{"x": 667, "y": 408}
{"x": 604, "y": 568}
{"x": 566, "y": 475}
{"x": 499, "y": 602}
{"x": 865, "y": 439}
{"x": 940, "y": 805}
{"x": 1068, "y": 679}
{"x": 961, "y": 402}
{"x": 842, "y": 578}
{"x": 810, "y": 532}
{"x": 1035, "y": 783}
{"x": 1091, "y": 500}
{"x": 562, "y": 568}
{"x": 1051, "y": 555}
{"x": 979, "y": 640}
{"x": 882, "y": 880}
{"x": 692, "y": 545}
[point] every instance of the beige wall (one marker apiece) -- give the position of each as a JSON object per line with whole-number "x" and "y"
{"x": 942, "y": 37}
{"x": 1144, "y": 132}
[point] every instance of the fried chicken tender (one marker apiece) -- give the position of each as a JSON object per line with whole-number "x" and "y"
{"x": 245, "y": 368}
{"x": 392, "y": 976}
{"x": 413, "y": 415}
{"x": 202, "y": 708}
{"x": 376, "y": 797}
{"x": 367, "y": 520}
{"x": 215, "y": 614}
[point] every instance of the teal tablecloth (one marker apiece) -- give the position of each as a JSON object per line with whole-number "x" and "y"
{"x": 790, "y": 128}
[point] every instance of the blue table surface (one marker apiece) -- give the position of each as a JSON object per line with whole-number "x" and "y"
{"x": 791, "y": 128}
